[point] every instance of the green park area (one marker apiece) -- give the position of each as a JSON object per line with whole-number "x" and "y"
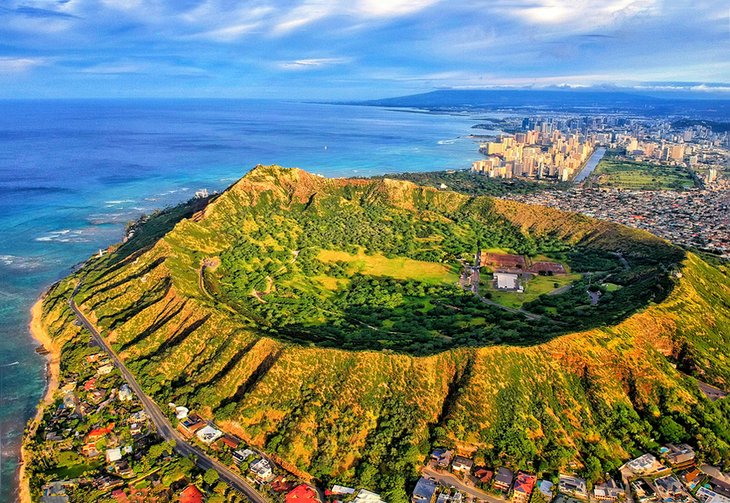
{"x": 622, "y": 174}
{"x": 401, "y": 268}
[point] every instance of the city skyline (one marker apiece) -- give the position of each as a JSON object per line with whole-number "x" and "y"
{"x": 361, "y": 49}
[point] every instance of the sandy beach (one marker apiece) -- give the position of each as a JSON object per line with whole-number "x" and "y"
{"x": 53, "y": 370}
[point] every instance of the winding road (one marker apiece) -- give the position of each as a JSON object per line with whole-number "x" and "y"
{"x": 164, "y": 427}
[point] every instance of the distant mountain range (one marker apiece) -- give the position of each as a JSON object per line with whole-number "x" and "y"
{"x": 567, "y": 100}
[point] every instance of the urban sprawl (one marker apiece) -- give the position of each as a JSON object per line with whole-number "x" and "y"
{"x": 561, "y": 149}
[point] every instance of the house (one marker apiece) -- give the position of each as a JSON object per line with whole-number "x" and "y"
{"x": 190, "y": 425}
{"x": 241, "y": 455}
{"x": 610, "y": 491}
{"x": 302, "y": 494}
{"x": 442, "y": 457}
{"x": 123, "y": 469}
{"x": 573, "y": 486}
{"x": 89, "y": 450}
{"x": 546, "y": 489}
{"x": 55, "y": 492}
{"x": 507, "y": 281}
{"x": 125, "y": 393}
{"x": 120, "y": 496}
{"x": 96, "y": 396}
{"x": 547, "y": 268}
{"x": 424, "y": 491}
{"x": 135, "y": 428}
{"x": 107, "y": 483}
{"x": 707, "y": 495}
{"x": 670, "y": 490}
{"x": 503, "y": 479}
{"x": 113, "y": 455}
{"x": 207, "y": 434}
{"x": 230, "y": 442}
{"x": 642, "y": 491}
{"x": 90, "y": 385}
{"x": 191, "y": 494}
{"x": 524, "y": 484}
{"x": 181, "y": 412}
{"x": 462, "y": 464}
{"x": 105, "y": 369}
{"x": 722, "y": 487}
{"x": 450, "y": 498}
{"x": 138, "y": 416}
{"x": 483, "y": 475}
{"x": 643, "y": 465}
{"x": 99, "y": 433}
{"x": 262, "y": 470}
{"x": 365, "y": 496}
{"x": 281, "y": 484}
{"x": 678, "y": 456}
{"x": 337, "y": 489}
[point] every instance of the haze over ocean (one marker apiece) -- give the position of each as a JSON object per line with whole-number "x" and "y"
{"x": 72, "y": 173}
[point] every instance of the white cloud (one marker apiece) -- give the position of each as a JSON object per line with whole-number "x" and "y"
{"x": 389, "y": 8}
{"x": 579, "y": 15}
{"x": 312, "y": 63}
{"x": 19, "y": 65}
{"x": 143, "y": 67}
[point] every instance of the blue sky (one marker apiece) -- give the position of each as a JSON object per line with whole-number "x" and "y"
{"x": 348, "y": 49}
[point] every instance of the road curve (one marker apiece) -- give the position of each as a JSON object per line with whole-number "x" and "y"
{"x": 164, "y": 427}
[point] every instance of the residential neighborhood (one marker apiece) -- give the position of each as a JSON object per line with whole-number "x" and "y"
{"x": 673, "y": 476}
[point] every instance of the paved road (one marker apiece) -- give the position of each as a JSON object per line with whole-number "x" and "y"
{"x": 449, "y": 479}
{"x": 526, "y": 314}
{"x": 164, "y": 427}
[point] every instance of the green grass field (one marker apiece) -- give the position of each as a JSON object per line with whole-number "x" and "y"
{"x": 397, "y": 268}
{"x": 621, "y": 174}
{"x": 71, "y": 465}
{"x": 537, "y": 286}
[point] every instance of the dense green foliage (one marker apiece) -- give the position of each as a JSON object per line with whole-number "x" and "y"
{"x": 475, "y": 184}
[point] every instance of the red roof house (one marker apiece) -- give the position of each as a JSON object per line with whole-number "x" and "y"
{"x": 302, "y": 494}
{"x": 98, "y": 433}
{"x": 523, "y": 487}
{"x": 191, "y": 494}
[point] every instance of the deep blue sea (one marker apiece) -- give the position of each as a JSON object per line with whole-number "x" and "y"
{"x": 72, "y": 173}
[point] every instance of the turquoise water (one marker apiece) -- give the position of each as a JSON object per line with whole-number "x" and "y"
{"x": 72, "y": 173}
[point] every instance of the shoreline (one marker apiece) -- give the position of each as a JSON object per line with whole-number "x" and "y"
{"x": 53, "y": 370}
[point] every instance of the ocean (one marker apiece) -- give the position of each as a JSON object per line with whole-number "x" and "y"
{"x": 73, "y": 173}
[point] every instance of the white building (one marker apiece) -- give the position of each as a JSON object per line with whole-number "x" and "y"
{"x": 113, "y": 455}
{"x": 262, "y": 469}
{"x": 365, "y": 496}
{"x": 508, "y": 281}
{"x": 208, "y": 434}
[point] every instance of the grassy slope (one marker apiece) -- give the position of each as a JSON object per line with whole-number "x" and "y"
{"x": 371, "y": 416}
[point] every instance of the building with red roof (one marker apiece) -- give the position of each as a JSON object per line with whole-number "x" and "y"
{"x": 90, "y": 385}
{"x": 524, "y": 484}
{"x": 191, "y": 494}
{"x": 98, "y": 433}
{"x": 302, "y": 494}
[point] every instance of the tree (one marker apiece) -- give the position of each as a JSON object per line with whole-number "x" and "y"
{"x": 210, "y": 477}
{"x": 671, "y": 431}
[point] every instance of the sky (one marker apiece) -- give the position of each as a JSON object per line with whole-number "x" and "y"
{"x": 356, "y": 49}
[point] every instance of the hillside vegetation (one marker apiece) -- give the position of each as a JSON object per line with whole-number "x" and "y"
{"x": 320, "y": 319}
